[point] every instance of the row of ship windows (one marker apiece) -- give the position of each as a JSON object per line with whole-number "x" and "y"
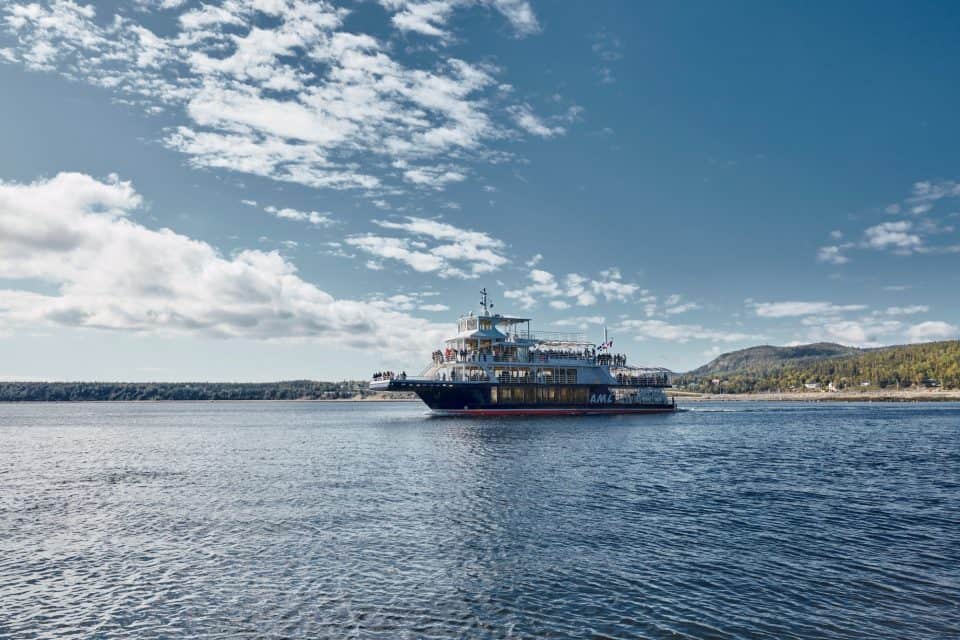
{"x": 538, "y": 394}
{"x": 542, "y": 375}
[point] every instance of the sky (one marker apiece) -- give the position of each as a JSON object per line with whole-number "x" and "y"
{"x": 256, "y": 190}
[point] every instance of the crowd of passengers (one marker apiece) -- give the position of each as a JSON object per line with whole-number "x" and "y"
{"x": 389, "y": 375}
{"x": 612, "y": 359}
{"x": 540, "y": 355}
{"x": 477, "y": 376}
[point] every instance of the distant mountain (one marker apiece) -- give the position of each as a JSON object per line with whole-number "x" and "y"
{"x": 766, "y": 368}
{"x": 767, "y": 357}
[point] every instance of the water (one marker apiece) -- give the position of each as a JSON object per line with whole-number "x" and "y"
{"x": 373, "y": 521}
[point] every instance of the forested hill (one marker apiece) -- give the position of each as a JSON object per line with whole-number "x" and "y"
{"x": 766, "y": 357}
{"x": 933, "y": 364}
{"x": 99, "y": 391}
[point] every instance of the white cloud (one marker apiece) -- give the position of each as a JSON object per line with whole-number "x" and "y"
{"x": 608, "y": 49}
{"x": 434, "y": 246}
{"x": 661, "y": 330}
{"x": 876, "y": 330}
{"x": 408, "y": 302}
{"x": 933, "y": 190}
{"x": 527, "y": 120}
{"x": 864, "y": 332}
{"x": 903, "y": 237}
{"x": 313, "y": 217}
{"x": 520, "y": 15}
{"x": 434, "y": 177}
{"x": 892, "y": 235}
{"x": 795, "y": 308}
{"x": 279, "y": 88}
{"x": 932, "y": 330}
{"x": 110, "y": 272}
{"x": 535, "y": 260}
{"x": 581, "y": 322}
{"x": 429, "y": 17}
{"x": 682, "y": 308}
{"x": 906, "y": 311}
{"x": 832, "y": 254}
{"x": 425, "y": 18}
{"x": 574, "y": 289}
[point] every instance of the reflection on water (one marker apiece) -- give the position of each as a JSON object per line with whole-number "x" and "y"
{"x": 334, "y": 520}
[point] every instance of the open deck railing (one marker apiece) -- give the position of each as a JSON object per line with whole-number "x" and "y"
{"x": 554, "y": 336}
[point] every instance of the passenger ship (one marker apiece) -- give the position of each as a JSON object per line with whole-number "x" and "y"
{"x": 495, "y": 365}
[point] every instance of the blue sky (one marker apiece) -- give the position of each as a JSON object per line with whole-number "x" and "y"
{"x": 276, "y": 189}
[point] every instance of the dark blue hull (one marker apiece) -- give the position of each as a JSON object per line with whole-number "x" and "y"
{"x": 484, "y": 398}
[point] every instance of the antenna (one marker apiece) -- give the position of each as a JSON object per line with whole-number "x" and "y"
{"x": 483, "y": 301}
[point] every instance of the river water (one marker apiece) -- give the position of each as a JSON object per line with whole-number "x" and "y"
{"x": 372, "y": 520}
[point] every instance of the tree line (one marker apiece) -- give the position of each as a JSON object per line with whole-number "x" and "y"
{"x": 128, "y": 391}
{"x": 929, "y": 365}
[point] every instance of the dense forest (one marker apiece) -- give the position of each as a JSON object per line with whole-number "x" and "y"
{"x": 99, "y": 391}
{"x": 929, "y": 365}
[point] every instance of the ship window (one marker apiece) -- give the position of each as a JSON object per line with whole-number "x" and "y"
{"x": 572, "y": 376}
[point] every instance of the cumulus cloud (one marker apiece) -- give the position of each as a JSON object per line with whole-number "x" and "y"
{"x": 581, "y": 322}
{"x": 892, "y": 235}
{"x": 683, "y": 307}
{"x": 907, "y": 311}
{"x": 868, "y": 331}
{"x": 108, "y": 271}
{"x": 796, "y": 308}
{"x": 434, "y": 246}
{"x": 430, "y": 17}
{"x": 313, "y": 217}
{"x": 281, "y": 89}
{"x": 407, "y": 302}
{"x": 919, "y": 235}
{"x": 662, "y": 330}
{"x": 527, "y": 120}
{"x": 573, "y": 289}
{"x": 833, "y": 254}
{"x": 933, "y": 190}
{"x": 932, "y": 330}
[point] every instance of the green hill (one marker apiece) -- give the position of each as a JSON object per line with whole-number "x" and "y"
{"x": 766, "y": 368}
{"x": 766, "y": 357}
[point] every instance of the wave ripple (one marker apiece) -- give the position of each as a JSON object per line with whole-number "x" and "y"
{"x": 319, "y": 520}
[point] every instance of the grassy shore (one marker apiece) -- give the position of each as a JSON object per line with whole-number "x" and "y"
{"x": 820, "y": 396}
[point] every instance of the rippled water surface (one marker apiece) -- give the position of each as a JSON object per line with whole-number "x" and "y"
{"x": 374, "y": 521}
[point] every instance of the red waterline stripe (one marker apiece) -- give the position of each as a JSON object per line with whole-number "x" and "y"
{"x": 545, "y": 412}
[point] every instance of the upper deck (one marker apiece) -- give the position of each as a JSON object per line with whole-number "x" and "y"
{"x": 489, "y": 347}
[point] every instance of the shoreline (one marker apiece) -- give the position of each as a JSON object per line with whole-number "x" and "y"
{"x": 828, "y": 396}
